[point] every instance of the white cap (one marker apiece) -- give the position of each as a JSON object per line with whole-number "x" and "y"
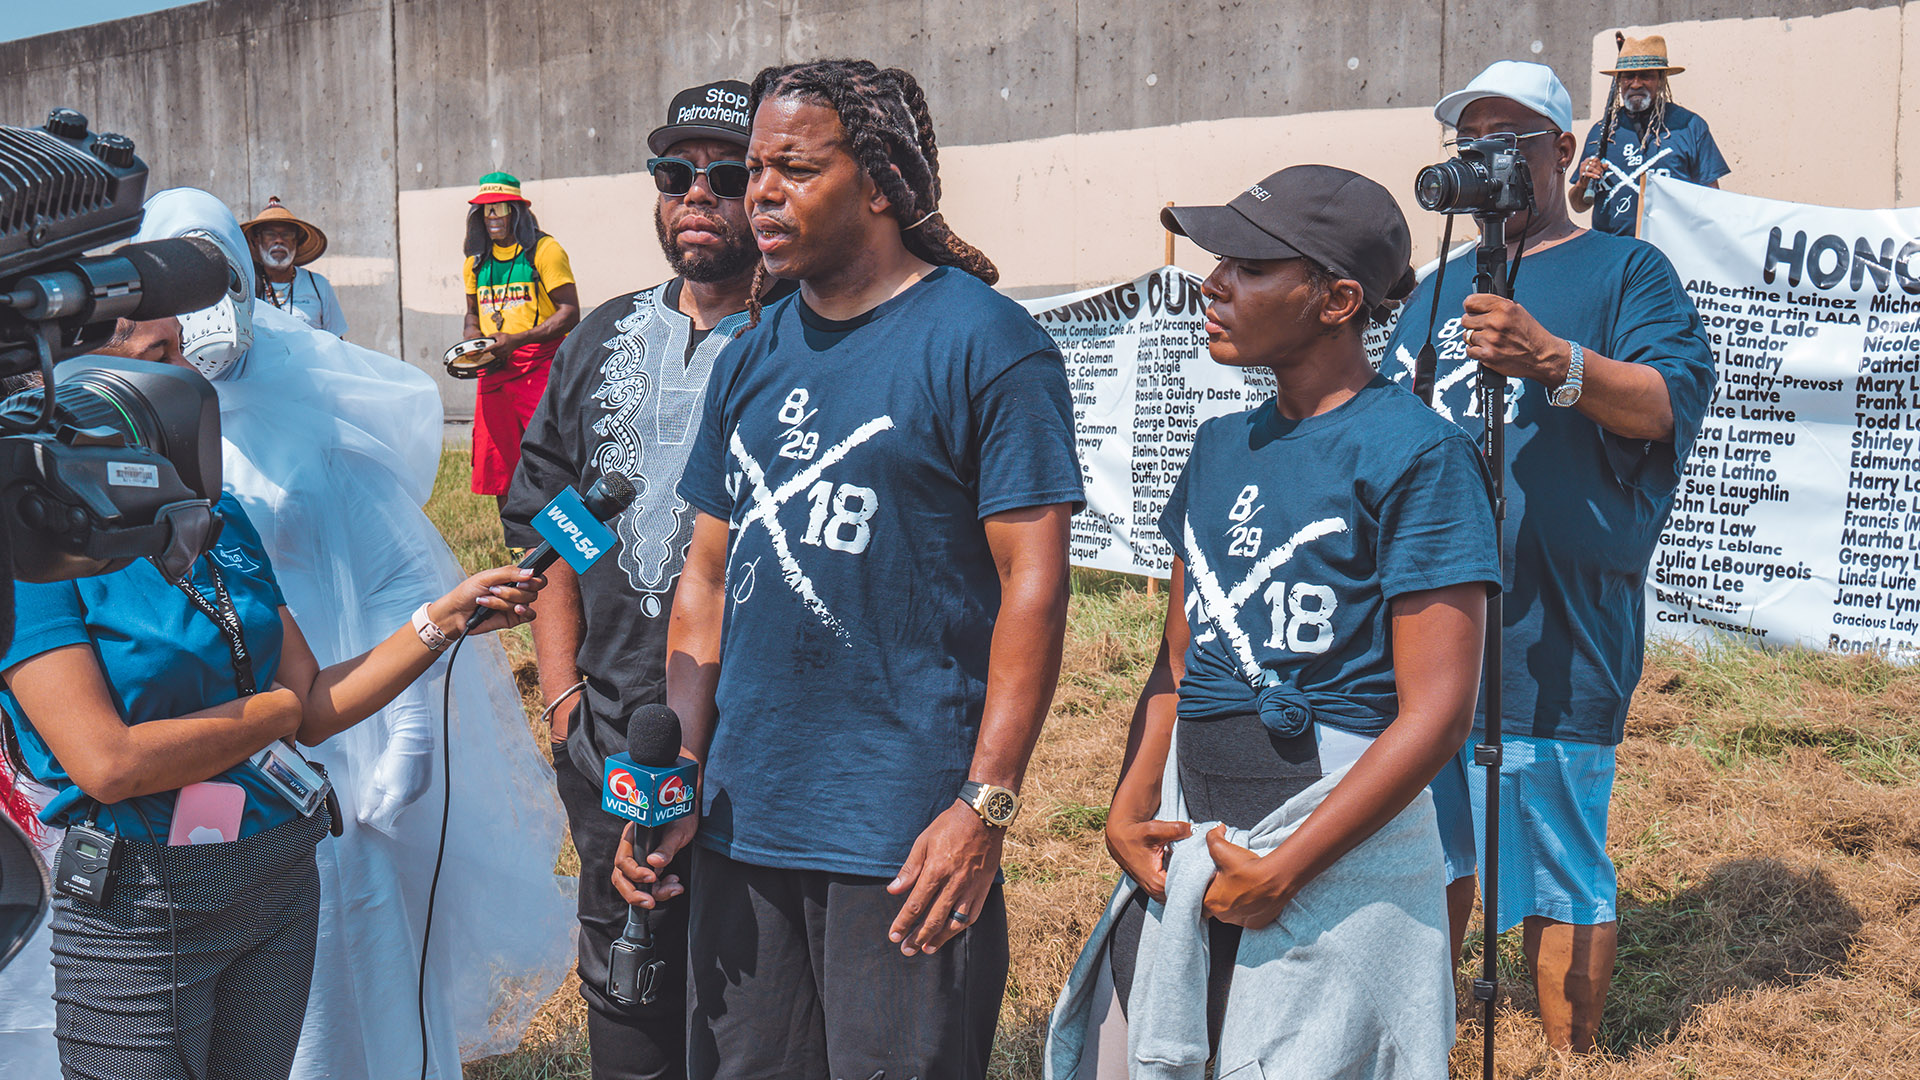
{"x": 1532, "y": 85}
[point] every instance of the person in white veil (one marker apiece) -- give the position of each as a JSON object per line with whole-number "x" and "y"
{"x": 332, "y": 449}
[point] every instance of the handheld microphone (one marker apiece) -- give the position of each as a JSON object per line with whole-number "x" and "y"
{"x": 143, "y": 281}
{"x": 575, "y": 530}
{"x": 650, "y": 786}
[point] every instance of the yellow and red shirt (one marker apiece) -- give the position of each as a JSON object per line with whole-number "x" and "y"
{"x": 507, "y": 287}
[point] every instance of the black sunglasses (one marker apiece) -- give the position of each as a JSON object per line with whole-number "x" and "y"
{"x": 674, "y": 176}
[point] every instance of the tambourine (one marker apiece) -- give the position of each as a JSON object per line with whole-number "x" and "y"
{"x": 469, "y": 359}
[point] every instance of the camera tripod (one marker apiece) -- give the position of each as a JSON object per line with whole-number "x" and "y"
{"x": 1491, "y": 276}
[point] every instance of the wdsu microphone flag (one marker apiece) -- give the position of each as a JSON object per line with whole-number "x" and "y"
{"x": 1798, "y": 518}
{"x": 648, "y": 795}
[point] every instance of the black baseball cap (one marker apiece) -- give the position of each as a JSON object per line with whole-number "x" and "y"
{"x": 716, "y": 110}
{"x": 1339, "y": 219}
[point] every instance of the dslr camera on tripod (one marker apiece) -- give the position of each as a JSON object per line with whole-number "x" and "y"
{"x": 112, "y": 460}
{"x": 1488, "y": 177}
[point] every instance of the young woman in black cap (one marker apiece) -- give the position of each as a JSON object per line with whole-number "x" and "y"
{"x": 1321, "y": 658}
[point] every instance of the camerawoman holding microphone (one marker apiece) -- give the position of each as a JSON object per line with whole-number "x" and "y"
{"x": 141, "y": 702}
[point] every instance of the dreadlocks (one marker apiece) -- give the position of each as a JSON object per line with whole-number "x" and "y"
{"x": 890, "y": 134}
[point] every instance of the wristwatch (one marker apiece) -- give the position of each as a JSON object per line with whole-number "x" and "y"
{"x": 434, "y": 638}
{"x": 1568, "y": 392}
{"x": 996, "y": 806}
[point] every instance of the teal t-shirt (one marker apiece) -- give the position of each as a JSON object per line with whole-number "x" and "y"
{"x": 1297, "y": 535}
{"x": 855, "y": 462}
{"x": 162, "y": 658}
{"x": 1585, "y": 507}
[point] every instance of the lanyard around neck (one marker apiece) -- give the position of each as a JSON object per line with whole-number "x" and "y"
{"x": 227, "y": 618}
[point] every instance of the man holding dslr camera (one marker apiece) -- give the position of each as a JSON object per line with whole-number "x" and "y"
{"x": 1610, "y": 377}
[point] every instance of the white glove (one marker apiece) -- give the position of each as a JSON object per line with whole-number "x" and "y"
{"x": 400, "y": 776}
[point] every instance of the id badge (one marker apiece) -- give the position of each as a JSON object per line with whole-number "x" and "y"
{"x": 282, "y": 767}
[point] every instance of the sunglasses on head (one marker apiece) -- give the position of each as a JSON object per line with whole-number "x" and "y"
{"x": 674, "y": 176}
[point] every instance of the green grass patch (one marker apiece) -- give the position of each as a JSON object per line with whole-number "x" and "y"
{"x": 1891, "y": 758}
{"x": 1070, "y": 821}
{"x": 1755, "y": 705}
{"x": 470, "y": 523}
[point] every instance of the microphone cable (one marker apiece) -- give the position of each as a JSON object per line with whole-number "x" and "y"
{"x": 440, "y": 852}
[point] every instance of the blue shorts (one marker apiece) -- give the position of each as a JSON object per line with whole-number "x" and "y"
{"x": 1553, "y": 829}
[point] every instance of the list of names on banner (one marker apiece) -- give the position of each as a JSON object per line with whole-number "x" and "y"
{"x": 1797, "y": 517}
{"x": 1137, "y": 365}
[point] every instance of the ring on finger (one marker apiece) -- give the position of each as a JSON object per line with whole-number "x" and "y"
{"x": 1467, "y": 339}
{"x": 960, "y": 917}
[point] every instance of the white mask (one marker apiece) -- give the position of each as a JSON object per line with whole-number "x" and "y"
{"x": 215, "y": 339}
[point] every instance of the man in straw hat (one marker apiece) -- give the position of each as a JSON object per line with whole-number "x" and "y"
{"x": 282, "y": 247}
{"x": 520, "y": 293}
{"x": 1642, "y": 132}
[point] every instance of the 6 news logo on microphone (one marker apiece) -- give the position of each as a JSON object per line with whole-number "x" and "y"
{"x": 647, "y": 795}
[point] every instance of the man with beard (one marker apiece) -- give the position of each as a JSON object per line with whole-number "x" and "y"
{"x": 282, "y": 247}
{"x": 868, "y": 628}
{"x": 1650, "y": 134}
{"x": 625, "y": 396}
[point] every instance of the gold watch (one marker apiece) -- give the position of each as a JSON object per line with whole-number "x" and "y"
{"x": 997, "y": 806}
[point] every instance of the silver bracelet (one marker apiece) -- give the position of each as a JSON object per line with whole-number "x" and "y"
{"x": 434, "y": 638}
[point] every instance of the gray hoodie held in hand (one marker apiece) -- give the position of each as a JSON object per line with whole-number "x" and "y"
{"x": 1352, "y": 981}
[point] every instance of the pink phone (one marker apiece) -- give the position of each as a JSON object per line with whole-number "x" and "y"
{"x": 207, "y": 813}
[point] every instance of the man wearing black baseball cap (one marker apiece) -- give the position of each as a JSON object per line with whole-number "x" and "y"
{"x": 1334, "y": 550}
{"x": 625, "y": 396}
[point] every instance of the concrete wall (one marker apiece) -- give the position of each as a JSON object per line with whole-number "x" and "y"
{"x": 248, "y": 100}
{"x": 1064, "y": 126}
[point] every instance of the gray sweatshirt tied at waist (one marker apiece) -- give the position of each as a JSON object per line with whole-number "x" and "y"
{"x": 1352, "y": 981}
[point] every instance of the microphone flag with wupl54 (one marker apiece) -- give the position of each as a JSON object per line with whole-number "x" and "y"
{"x": 575, "y": 529}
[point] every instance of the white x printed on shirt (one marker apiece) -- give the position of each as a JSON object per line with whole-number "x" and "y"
{"x": 1632, "y": 179}
{"x": 766, "y": 511}
{"x": 1223, "y": 607}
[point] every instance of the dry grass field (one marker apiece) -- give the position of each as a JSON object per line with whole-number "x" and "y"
{"x": 1765, "y": 825}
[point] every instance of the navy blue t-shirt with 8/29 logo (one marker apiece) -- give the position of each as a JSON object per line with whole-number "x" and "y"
{"x": 855, "y": 462}
{"x": 1297, "y": 535}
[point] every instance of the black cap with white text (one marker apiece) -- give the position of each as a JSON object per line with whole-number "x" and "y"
{"x": 1339, "y": 219}
{"x": 714, "y": 111}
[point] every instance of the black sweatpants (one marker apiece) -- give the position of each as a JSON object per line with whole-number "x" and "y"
{"x": 793, "y": 978}
{"x": 625, "y": 1042}
{"x": 1233, "y": 770}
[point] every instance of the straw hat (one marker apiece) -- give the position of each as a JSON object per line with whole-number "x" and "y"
{"x": 1644, "y": 54}
{"x": 313, "y": 242}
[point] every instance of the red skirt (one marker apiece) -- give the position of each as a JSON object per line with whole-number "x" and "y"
{"x": 502, "y": 407}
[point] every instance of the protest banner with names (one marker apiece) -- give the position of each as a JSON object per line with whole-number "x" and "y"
{"x": 1142, "y": 382}
{"x": 1798, "y": 519}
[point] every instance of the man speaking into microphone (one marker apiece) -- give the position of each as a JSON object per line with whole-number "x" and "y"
{"x": 868, "y": 628}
